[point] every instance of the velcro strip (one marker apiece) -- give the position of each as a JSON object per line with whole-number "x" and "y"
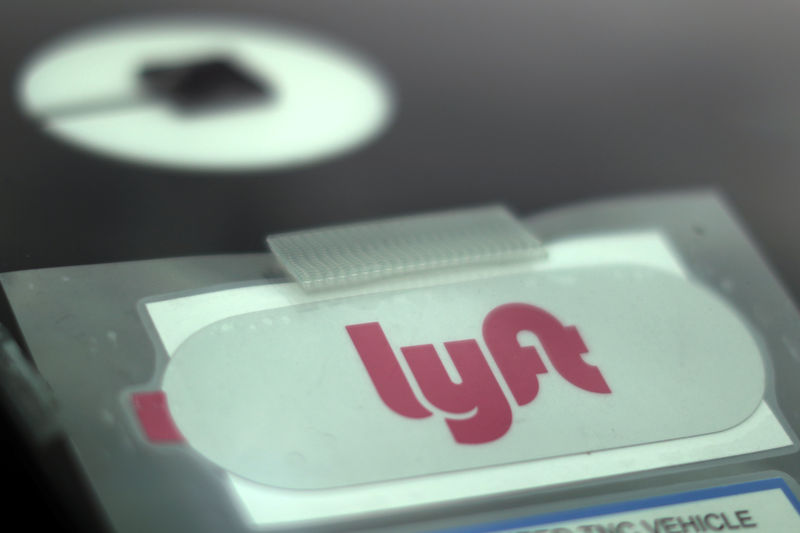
{"x": 360, "y": 252}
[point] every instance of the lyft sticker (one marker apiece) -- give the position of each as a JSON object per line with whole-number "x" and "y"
{"x": 478, "y": 394}
{"x": 440, "y": 379}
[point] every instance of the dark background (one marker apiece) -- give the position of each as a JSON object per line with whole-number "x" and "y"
{"x": 533, "y": 104}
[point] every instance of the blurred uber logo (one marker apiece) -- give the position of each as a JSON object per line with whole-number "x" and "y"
{"x": 205, "y": 94}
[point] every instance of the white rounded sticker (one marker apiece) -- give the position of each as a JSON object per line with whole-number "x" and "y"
{"x": 321, "y": 99}
{"x": 466, "y": 375}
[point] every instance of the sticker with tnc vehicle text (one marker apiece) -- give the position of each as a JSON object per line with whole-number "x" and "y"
{"x": 766, "y": 505}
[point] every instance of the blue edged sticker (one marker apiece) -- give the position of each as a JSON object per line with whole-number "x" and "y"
{"x": 764, "y": 505}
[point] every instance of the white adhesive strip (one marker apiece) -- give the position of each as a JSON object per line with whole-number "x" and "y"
{"x": 365, "y": 251}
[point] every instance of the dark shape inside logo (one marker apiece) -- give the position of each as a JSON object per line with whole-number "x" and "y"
{"x": 478, "y": 392}
{"x": 203, "y": 85}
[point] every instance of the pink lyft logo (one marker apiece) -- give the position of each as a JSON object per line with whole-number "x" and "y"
{"x": 478, "y": 390}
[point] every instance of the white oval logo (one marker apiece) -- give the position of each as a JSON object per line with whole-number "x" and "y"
{"x": 466, "y": 375}
{"x": 137, "y": 91}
